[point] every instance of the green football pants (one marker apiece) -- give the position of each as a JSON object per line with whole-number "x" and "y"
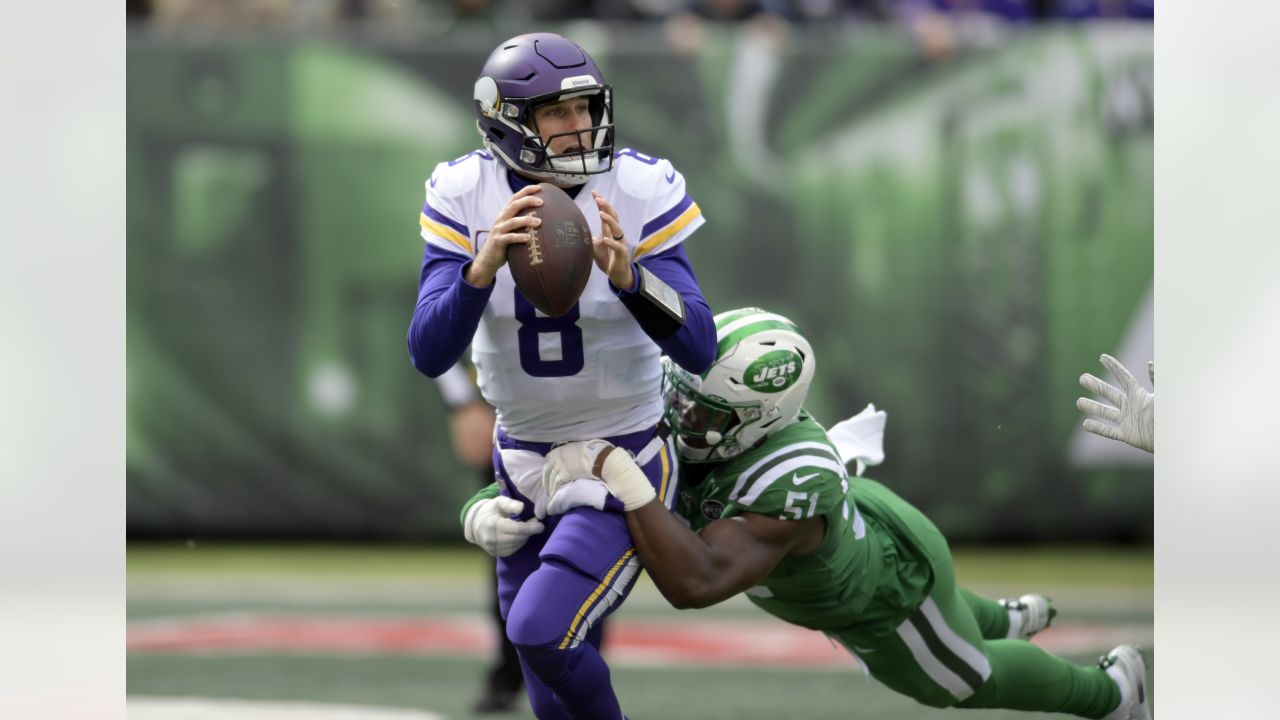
{"x": 952, "y": 652}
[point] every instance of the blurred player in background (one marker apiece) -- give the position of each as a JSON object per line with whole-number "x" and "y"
{"x": 471, "y": 433}
{"x": 774, "y": 515}
{"x": 1131, "y": 415}
{"x": 546, "y": 114}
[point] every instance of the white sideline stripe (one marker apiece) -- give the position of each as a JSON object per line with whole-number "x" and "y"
{"x": 971, "y": 655}
{"x": 625, "y": 577}
{"x": 748, "y": 320}
{"x": 932, "y": 667}
{"x": 742, "y": 479}
{"x": 197, "y": 708}
{"x": 783, "y": 469}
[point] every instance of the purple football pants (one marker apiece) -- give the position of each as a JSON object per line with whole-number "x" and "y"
{"x": 556, "y": 591}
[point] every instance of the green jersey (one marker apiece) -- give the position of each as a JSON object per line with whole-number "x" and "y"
{"x": 796, "y": 474}
{"x": 876, "y": 561}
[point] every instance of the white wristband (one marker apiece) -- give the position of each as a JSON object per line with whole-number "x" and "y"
{"x": 626, "y": 480}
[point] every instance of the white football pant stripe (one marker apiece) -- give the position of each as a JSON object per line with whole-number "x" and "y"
{"x": 935, "y": 668}
{"x": 613, "y": 594}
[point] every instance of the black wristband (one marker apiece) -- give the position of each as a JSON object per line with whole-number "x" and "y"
{"x": 655, "y": 305}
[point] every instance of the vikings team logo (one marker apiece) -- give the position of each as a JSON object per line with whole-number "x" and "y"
{"x": 712, "y": 509}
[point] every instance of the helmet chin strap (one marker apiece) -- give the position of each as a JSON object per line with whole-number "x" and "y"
{"x": 712, "y": 437}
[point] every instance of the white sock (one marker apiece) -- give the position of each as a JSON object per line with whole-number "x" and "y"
{"x": 1015, "y": 623}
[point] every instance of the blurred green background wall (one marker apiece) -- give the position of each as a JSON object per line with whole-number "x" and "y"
{"x": 959, "y": 239}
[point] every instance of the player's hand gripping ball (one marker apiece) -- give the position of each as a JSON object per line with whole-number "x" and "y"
{"x": 552, "y": 269}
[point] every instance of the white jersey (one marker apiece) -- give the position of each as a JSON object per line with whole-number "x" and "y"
{"x": 576, "y": 377}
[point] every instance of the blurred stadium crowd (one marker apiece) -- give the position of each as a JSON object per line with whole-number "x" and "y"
{"x": 940, "y": 27}
{"x": 443, "y": 13}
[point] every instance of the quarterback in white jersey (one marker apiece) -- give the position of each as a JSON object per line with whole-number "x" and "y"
{"x": 593, "y": 372}
{"x": 545, "y": 114}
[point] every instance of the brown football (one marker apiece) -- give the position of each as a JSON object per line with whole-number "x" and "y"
{"x": 552, "y": 269}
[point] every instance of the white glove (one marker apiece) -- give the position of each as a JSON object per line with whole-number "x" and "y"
{"x": 489, "y": 524}
{"x": 619, "y": 471}
{"x": 1133, "y": 410}
{"x": 578, "y": 493}
{"x": 570, "y": 461}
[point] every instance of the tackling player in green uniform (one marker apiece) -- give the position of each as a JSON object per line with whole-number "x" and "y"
{"x": 771, "y": 511}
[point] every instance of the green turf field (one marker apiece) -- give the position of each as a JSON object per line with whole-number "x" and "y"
{"x": 403, "y": 627}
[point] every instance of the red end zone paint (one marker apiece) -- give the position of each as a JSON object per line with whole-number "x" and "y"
{"x": 636, "y": 642}
{"x": 309, "y": 633}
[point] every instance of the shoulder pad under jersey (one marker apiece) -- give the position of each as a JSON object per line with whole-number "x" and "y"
{"x": 791, "y": 480}
{"x": 639, "y": 175}
{"x": 450, "y": 191}
{"x": 669, "y": 214}
{"x": 459, "y": 176}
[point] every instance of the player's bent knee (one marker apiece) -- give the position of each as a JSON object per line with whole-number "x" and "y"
{"x": 546, "y": 609}
{"x": 528, "y": 626}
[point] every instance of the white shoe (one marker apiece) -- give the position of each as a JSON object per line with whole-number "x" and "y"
{"x": 1125, "y": 665}
{"x": 1028, "y": 615}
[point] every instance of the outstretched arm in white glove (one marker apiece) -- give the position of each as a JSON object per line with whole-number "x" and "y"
{"x": 597, "y": 459}
{"x": 1131, "y": 412}
{"x": 490, "y": 525}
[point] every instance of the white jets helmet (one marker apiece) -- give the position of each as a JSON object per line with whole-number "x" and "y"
{"x": 756, "y": 386}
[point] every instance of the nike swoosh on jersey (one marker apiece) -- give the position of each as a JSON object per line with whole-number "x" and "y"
{"x": 672, "y": 177}
{"x": 432, "y": 181}
{"x": 801, "y": 480}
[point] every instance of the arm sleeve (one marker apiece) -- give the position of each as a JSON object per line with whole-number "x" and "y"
{"x": 447, "y": 313}
{"x": 693, "y": 346}
{"x": 487, "y": 492}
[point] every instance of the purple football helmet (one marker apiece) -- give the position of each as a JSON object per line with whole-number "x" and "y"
{"x": 536, "y": 68}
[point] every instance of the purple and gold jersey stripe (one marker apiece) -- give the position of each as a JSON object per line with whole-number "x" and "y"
{"x": 666, "y": 474}
{"x": 444, "y": 227}
{"x": 664, "y": 452}
{"x": 624, "y": 571}
{"x": 658, "y": 230}
{"x": 571, "y": 637}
